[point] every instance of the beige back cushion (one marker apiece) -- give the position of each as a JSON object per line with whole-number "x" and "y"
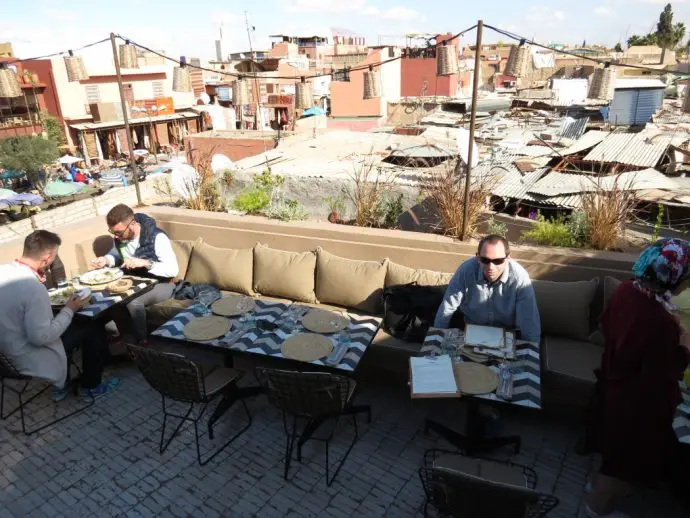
{"x": 226, "y": 268}
{"x": 350, "y": 283}
{"x": 398, "y": 274}
{"x": 610, "y": 286}
{"x": 183, "y": 252}
{"x": 564, "y": 307}
{"x": 284, "y": 274}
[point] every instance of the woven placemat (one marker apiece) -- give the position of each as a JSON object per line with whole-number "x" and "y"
{"x": 203, "y": 329}
{"x": 306, "y": 347}
{"x": 233, "y": 306}
{"x": 473, "y": 378}
{"x": 321, "y": 321}
{"x": 120, "y": 285}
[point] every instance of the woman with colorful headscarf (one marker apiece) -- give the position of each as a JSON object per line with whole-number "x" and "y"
{"x": 645, "y": 354}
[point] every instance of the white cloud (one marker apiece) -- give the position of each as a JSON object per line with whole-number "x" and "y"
{"x": 603, "y": 11}
{"x": 371, "y": 10}
{"x": 61, "y": 15}
{"x": 544, "y": 14}
{"x": 661, "y": 2}
{"x": 400, "y": 13}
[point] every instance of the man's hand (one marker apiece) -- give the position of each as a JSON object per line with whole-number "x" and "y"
{"x": 74, "y": 303}
{"x": 99, "y": 262}
{"x": 134, "y": 262}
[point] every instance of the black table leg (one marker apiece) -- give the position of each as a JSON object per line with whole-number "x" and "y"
{"x": 474, "y": 441}
{"x": 233, "y": 394}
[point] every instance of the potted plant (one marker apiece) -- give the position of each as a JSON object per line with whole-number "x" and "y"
{"x": 336, "y": 207}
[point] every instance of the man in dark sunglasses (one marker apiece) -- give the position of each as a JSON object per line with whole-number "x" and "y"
{"x": 491, "y": 289}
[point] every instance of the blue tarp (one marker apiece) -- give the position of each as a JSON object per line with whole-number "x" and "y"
{"x": 9, "y": 174}
{"x": 314, "y": 110}
{"x": 21, "y": 199}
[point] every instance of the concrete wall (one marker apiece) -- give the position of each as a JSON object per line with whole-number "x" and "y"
{"x": 416, "y": 72}
{"x": 225, "y": 143}
{"x": 346, "y": 96}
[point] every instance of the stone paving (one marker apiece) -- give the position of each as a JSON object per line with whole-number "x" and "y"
{"x": 105, "y": 462}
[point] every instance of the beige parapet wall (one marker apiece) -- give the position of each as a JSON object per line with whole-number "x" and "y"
{"x": 84, "y": 239}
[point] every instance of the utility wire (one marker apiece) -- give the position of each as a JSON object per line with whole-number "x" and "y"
{"x": 18, "y": 60}
{"x": 255, "y": 76}
{"x": 604, "y": 62}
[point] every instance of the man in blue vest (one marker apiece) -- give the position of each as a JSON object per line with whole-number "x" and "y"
{"x": 144, "y": 250}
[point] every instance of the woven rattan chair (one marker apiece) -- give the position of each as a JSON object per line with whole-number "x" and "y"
{"x": 461, "y": 486}
{"x": 314, "y": 397}
{"x": 9, "y": 372}
{"x": 182, "y": 380}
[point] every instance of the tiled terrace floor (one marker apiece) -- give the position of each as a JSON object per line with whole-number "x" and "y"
{"x": 105, "y": 462}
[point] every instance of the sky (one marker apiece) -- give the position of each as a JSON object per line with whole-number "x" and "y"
{"x": 38, "y": 27}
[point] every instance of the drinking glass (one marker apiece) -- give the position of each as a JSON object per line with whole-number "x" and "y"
{"x": 75, "y": 273}
{"x": 206, "y": 298}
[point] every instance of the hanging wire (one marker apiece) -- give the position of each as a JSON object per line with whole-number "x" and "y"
{"x": 254, "y": 76}
{"x": 54, "y": 54}
{"x": 604, "y": 62}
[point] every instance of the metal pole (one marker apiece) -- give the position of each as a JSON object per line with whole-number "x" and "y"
{"x": 470, "y": 152}
{"x": 130, "y": 144}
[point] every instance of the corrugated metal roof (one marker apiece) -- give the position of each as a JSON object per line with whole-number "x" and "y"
{"x": 570, "y": 201}
{"x": 557, "y": 184}
{"x": 574, "y": 128}
{"x": 588, "y": 140}
{"x": 422, "y": 151}
{"x": 633, "y": 82}
{"x": 514, "y": 184}
{"x": 629, "y": 148}
{"x": 140, "y": 120}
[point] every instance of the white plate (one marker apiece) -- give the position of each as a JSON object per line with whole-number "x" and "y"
{"x": 59, "y": 296}
{"x": 101, "y": 276}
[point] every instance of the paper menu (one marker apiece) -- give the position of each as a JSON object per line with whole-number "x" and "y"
{"x": 432, "y": 375}
{"x": 485, "y": 336}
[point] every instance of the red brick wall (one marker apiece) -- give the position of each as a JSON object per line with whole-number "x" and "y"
{"x": 415, "y": 71}
{"x": 19, "y": 131}
{"x": 234, "y": 149}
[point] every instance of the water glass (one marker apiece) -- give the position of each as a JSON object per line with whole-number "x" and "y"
{"x": 344, "y": 337}
{"x": 206, "y": 298}
{"x": 247, "y": 322}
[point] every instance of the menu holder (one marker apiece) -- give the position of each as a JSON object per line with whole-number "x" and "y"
{"x": 432, "y": 377}
{"x": 485, "y": 336}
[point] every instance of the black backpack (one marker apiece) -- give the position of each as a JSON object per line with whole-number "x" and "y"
{"x": 410, "y": 309}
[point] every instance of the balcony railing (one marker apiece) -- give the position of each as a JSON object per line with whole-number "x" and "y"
{"x": 18, "y": 120}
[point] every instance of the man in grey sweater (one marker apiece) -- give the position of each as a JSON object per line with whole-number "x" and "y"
{"x": 37, "y": 343}
{"x": 491, "y": 289}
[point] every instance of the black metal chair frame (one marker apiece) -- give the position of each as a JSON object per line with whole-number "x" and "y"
{"x": 194, "y": 395}
{"x": 314, "y": 384}
{"x": 541, "y": 508}
{"x": 9, "y": 372}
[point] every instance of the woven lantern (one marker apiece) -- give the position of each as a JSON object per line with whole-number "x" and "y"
{"x": 446, "y": 60}
{"x": 602, "y": 84}
{"x": 303, "y": 97}
{"x": 9, "y": 85}
{"x": 240, "y": 92}
{"x": 517, "y": 61}
{"x": 371, "y": 84}
{"x": 76, "y": 71}
{"x": 686, "y": 101}
{"x": 128, "y": 56}
{"x": 182, "y": 81}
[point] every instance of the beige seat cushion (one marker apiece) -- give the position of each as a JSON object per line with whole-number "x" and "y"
{"x": 383, "y": 339}
{"x": 398, "y": 274}
{"x": 572, "y": 358}
{"x": 226, "y": 268}
{"x": 284, "y": 274}
{"x": 610, "y": 286}
{"x": 183, "y": 252}
{"x": 350, "y": 283}
{"x": 564, "y": 307}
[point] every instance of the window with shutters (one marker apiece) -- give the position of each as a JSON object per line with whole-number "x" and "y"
{"x": 158, "y": 89}
{"x": 93, "y": 94}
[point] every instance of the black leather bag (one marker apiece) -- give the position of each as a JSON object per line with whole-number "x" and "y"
{"x": 410, "y": 309}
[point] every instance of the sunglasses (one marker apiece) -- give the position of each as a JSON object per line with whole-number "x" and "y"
{"x": 498, "y": 261}
{"x": 120, "y": 233}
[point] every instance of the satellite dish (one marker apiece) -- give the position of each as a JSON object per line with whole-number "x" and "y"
{"x": 462, "y": 138}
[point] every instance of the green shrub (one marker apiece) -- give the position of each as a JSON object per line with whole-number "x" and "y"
{"x": 497, "y": 228}
{"x": 550, "y": 233}
{"x": 251, "y": 201}
{"x": 289, "y": 210}
{"x": 392, "y": 210}
{"x": 578, "y": 226}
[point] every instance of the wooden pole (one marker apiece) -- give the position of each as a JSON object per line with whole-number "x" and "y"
{"x": 470, "y": 151}
{"x": 130, "y": 144}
